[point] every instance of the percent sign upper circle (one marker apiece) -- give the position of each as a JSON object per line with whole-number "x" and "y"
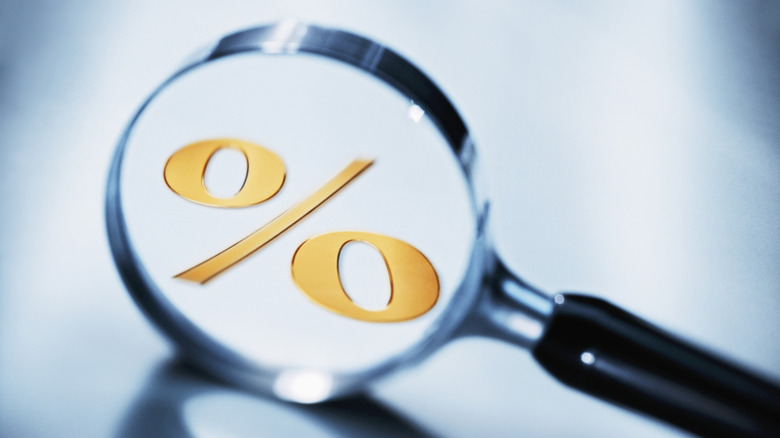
{"x": 251, "y": 323}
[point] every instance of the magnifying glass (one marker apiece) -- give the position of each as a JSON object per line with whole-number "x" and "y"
{"x": 299, "y": 210}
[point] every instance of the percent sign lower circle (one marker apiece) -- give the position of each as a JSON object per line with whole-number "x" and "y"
{"x": 319, "y": 98}
{"x": 414, "y": 285}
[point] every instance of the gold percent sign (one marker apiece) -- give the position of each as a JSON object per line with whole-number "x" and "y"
{"x": 414, "y": 284}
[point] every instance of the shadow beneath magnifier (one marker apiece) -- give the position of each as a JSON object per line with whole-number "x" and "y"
{"x": 161, "y": 409}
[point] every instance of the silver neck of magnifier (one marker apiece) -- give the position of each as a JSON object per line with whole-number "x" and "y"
{"x": 508, "y": 308}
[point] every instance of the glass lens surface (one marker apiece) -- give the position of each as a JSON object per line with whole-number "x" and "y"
{"x": 325, "y": 123}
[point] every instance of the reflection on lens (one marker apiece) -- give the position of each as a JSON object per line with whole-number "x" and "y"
{"x": 303, "y": 386}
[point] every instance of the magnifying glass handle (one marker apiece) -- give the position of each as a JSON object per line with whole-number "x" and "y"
{"x": 603, "y": 350}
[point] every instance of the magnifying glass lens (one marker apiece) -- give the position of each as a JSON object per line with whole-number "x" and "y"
{"x": 297, "y": 212}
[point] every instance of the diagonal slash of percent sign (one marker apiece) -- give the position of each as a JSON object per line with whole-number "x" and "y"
{"x": 210, "y": 268}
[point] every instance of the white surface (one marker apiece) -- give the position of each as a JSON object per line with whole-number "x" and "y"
{"x": 630, "y": 151}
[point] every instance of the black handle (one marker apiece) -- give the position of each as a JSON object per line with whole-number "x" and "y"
{"x": 598, "y": 348}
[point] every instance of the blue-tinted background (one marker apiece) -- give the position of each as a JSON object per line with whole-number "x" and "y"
{"x": 632, "y": 151}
